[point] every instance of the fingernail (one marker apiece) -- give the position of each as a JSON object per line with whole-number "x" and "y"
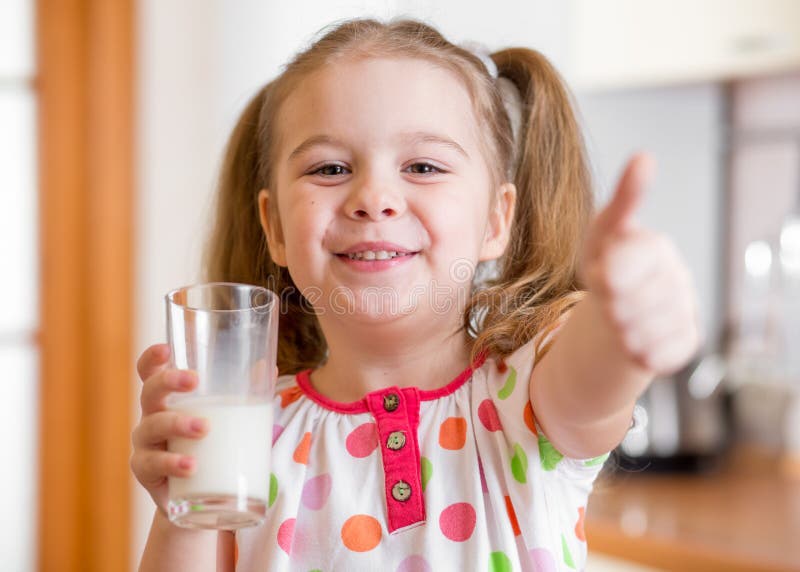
{"x": 198, "y": 425}
{"x": 185, "y": 463}
{"x": 647, "y": 167}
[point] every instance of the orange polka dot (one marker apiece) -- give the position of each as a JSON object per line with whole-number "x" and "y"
{"x": 301, "y": 452}
{"x": 453, "y": 433}
{"x": 361, "y": 533}
{"x": 512, "y": 516}
{"x": 579, "y": 532}
{"x": 530, "y": 420}
{"x": 290, "y": 395}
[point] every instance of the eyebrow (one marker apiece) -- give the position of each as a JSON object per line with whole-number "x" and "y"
{"x": 414, "y": 137}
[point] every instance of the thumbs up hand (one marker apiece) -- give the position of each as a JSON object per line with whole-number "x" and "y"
{"x": 639, "y": 280}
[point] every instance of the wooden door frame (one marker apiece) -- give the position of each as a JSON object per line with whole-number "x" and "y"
{"x": 85, "y": 87}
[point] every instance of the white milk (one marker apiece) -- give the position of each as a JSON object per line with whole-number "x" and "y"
{"x": 233, "y": 458}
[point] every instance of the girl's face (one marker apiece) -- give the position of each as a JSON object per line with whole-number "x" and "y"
{"x": 383, "y": 195}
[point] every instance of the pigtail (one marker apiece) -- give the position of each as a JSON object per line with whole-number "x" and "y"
{"x": 537, "y": 277}
{"x": 237, "y": 250}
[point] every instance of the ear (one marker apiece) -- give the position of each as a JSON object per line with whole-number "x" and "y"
{"x": 498, "y": 226}
{"x": 272, "y": 231}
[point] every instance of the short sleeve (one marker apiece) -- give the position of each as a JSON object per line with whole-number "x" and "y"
{"x": 509, "y": 385}
{"x": 550, "y": 487}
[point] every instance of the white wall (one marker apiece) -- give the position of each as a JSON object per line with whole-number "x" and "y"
{"x": 200, "y": 61}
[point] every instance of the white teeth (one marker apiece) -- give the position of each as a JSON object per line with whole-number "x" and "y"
{"x": 374, "y": 255}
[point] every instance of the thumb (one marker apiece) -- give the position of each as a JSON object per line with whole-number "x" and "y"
{"x": 618, "y": 214}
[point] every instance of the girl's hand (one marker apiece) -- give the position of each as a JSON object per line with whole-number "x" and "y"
{"x": 150, "y": 462}
{"x": 640, "y": 280}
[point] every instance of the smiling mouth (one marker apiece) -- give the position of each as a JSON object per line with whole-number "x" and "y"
{"x": 374, "y": 254}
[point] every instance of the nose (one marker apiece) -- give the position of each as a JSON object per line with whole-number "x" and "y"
{"x": 374, "y": 201}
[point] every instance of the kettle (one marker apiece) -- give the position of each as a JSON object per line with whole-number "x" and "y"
{"x": 682, "y": 422}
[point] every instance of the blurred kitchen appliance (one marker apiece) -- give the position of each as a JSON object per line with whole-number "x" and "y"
{"x": 682, "y": 423}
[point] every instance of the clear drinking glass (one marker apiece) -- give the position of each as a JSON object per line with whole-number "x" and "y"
{"x": 227, "y": 333}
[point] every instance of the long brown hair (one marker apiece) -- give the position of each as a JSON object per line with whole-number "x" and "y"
{"x": 534, "y": 282}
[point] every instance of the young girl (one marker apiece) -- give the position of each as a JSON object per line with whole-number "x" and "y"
{"x": 460, "y": 346}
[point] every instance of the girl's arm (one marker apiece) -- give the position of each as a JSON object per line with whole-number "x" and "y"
{"x": 583, "y": 390}
{"x": 176, "y": 549}
{"x": 637, "y": 320}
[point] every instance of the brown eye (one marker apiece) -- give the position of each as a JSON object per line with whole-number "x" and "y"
{"x": 329, "y": 170}
{"x": 424, "y": 169}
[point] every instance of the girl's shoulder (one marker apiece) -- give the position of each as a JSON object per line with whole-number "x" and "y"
{"x": 521, "y": 359}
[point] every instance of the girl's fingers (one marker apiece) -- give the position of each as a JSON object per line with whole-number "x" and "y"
{"x": 155, "y": 429}
{"x": 663, "y": 347}
{"x": 152, "y": 360}
{"x": 621, "y": 264}
{"x": 627, "y": 196}
{"x": 646, "y": 336}
{"x": 153, "y": 467}
{"x": 662, "y": 292}
{"x": 164, "y": 382}
{"x": 618, "y": 215}
{"x": 630, "y": 262}
{"x": 672, "y": 353}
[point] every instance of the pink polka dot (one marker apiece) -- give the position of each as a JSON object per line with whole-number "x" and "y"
{"x": 457, "y": 521}
{"x": 542, "y": 560}
{"x": 316, "y": 491}
{"x": 488, "y": 415}
{"x": 415, "y": 563}
{"x": 285, "y": 534}
{"x": 276, "y": 432}
{"x": 362, "y": 440}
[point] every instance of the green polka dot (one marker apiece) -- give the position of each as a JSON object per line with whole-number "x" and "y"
{"x": 506, "y": 391}
{"x": 567, "y": 555}
{"x": 196, "y": 507}
{"x": 427, "y": 471}
{"x": 315, "y": 570}
{"x": 519, "y": 464}
{"x": 273, "y": 488}
{"x": 596, "y": 461}
{"x": 499, "y": 562}
{"x": 548, "y": 454}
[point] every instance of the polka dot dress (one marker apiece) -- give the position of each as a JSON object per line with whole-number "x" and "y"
{"x": 405, "y": 480}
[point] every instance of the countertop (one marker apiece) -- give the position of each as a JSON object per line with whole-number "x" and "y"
{"x": 743, "y": 516}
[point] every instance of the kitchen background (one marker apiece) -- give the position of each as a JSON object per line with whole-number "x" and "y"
{"x": 711, "y": 88}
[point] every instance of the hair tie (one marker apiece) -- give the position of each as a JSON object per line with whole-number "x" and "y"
{"x": 509, "y": 93}
{"x": 481, "y": 52}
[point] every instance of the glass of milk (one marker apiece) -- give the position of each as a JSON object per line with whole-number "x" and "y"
{"x": 227, "y": 333}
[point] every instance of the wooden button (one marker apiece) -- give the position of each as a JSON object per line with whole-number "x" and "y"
{"x": 401, "y": 491}
{"x": 396, "y": 440}
{"x": 391, "y": 401}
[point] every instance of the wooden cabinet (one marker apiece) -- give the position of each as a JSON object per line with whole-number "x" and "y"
{"x": 632, "y": 43}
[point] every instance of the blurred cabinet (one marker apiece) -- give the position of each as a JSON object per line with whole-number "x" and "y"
{"x": 631, "y": 43}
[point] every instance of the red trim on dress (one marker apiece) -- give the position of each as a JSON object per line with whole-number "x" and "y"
{"x": 303, "y": 379}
